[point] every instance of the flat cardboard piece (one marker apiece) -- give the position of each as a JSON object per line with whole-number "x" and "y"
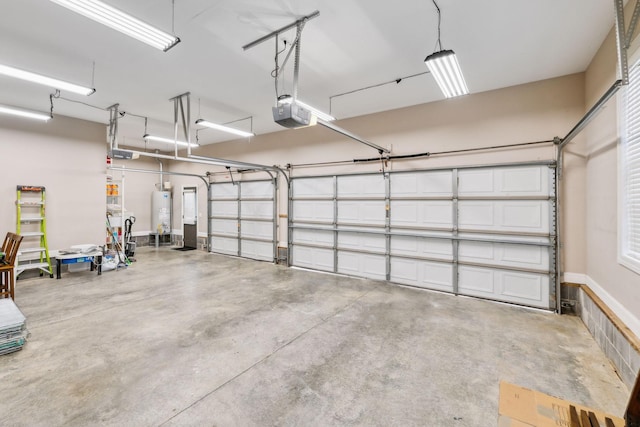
{"x": 521, "y": 407}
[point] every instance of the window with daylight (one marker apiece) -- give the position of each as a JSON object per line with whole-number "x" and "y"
{"x": 630, "y": 174}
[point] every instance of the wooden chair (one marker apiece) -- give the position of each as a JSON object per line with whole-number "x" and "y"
{"x": 5, "y": 244}
{"x": 10, "y": 247}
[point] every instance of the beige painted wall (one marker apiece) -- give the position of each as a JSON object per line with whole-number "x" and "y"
{"x": 67, "y": 156}
{"x": 531, "y": 112}
{"x": 618, "y": 286}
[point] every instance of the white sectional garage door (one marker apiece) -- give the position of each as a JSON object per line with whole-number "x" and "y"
{"x": 487, "y": 232}
{"x": 242, "y": 219}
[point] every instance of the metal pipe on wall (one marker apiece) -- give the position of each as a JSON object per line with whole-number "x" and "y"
{"x": 157, "y": 172}
{"x": 161, "y": 175}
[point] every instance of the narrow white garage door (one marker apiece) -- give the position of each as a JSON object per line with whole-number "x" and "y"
{"x": 242, "y": 219}
{"x": 487, "y": 232}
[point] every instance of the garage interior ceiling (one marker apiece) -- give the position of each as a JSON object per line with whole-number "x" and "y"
{"x": 352, "y": 44}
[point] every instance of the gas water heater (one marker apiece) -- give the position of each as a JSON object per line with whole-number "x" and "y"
{"x": 161, "y": 212}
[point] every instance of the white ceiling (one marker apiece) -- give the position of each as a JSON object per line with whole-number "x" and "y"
{"x": 353, "y": 44}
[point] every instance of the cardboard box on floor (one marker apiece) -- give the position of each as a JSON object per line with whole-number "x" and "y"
{"x": 521, "y": 407}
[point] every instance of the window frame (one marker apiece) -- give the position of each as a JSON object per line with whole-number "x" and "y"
{"x": 626, "y": 256}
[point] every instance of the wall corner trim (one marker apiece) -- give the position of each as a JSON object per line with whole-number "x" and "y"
{"x": 623, "y": 319}
{"x": 575, "y": 278}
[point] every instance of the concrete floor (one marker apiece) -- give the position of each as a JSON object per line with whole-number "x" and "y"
{"x": 189, "y": 338}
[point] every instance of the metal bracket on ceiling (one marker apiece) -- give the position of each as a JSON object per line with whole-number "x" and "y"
{"x": 298, "y": 25}
{"x": 623, "y": 37}
{"x": 179, "y": 112}
{"x": 113, "y": 126}
{"x": 632, "y": 24}
{"x": 272, "y": 34}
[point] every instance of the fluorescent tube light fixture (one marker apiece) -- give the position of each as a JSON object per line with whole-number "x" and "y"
{"x": 319, "y": 114}
{"x": 224, "y": 128}
{"x": 120, "y": 21}
{"x": 5, "y": 109}
{"x": 445, "y": 69}
{"x": 167, "y": 140}
{"x": 44, "y": 80}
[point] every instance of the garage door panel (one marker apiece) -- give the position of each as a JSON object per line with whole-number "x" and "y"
{"x": 224, "y": 226}
{"x": 476, "y": 281}
{"x": 256, "y": 209}
{"x": 510, "y": 286}
{"x": 477, "y": 215}
{"x": 369, "y": 212}
{"x": 361, "y": 186}
{"x": 505, "y": 255}
{"x": 313, "y": 210}
{"x": 256, "y": 189}
{"x": 314, "y": 258}
{"x": 224, "y": 190}
{"x": 362, "y": 265}
{"x": 424, "y": 274}
{"x": 522, "y": 286}
{"x": 526, "y": 255}
{"x": 256, "y": 229}
{"x": 360, "y": 241}
{"x": 525, "y": 215}
{"x": 224, "y": 208}
{"x": 422, "y": 184}
{"x": 522, "y": 181}
{"x": 422, "y": 213}
{"x": 224, "y": 245}
{"x": 313, "y": 187}
{"x": 422, "y": 247}
{"x": 519, "y": 216}
{"x": 257, "y": 250}
{"x": 230, "y": 233}
{"x": 313, "y": 237}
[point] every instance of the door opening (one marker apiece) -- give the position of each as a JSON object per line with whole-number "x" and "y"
{"x": 190, "y": 217}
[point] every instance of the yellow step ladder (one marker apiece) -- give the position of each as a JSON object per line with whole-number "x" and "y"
{"x": 31, "y": 223}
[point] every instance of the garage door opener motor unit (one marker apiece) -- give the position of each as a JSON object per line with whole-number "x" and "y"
{"x": 293, "y": 116}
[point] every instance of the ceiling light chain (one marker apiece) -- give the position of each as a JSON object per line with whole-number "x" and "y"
{"x": 438, "y": 42}
{"x": 56, "y": 95}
